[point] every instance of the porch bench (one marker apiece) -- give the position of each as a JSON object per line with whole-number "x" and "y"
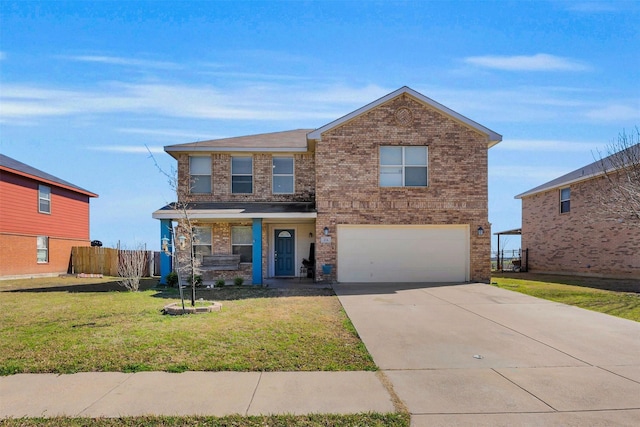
{"x": 221, "y": 262}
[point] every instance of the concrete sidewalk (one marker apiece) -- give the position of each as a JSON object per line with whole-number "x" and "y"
{"x": 112, "y": 394}
{"x": 474, "y": 354}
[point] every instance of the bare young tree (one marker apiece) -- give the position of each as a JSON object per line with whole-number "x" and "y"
{"x": 132, "y": 265}
{"x": 619, "y": 194}
{"x": 185, "y": 263}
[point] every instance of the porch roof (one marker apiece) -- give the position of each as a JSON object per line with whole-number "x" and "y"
{"x": 233, "y": 210}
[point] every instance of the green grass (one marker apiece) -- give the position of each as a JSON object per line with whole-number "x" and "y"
{"x": 67, "y": 326}
{"x": 316, "y": 420}
{"x": 584, "y": 293}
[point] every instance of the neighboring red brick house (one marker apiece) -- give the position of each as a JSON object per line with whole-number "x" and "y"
{"x": 41, "y": 218}
{"x": 394, "y": 191}
{"x": 567, "y": 230}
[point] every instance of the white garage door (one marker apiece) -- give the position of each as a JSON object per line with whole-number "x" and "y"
{"x": 403, "y": 253}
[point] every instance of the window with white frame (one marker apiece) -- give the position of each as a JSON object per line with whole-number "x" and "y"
{"x": 43, "y": 249}
{"x": 403, "y": 166}
{"x": 242, "y": 242}
{"x": 201, "y": 242}
{"x": 565, "y": 200}
{"x": 282, "y": 182}
{"x": 44, "y": 199}
{"x": 241, "y": 175}
{"x": 200, "y": 175}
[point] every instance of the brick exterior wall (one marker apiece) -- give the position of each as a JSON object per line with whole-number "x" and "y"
{"x": 347, "y": 175}
{"x": 584, "y": 241}
{"x": 19, "y": 256}
{"x": 304, "y": 176}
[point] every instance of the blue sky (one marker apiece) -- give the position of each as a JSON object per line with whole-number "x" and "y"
{"x": 84, "y": 86}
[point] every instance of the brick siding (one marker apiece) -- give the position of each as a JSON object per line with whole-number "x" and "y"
{"x": 19, "y": 255}
{"x": 347, "y": 173}
{"x": 584, "y": 241}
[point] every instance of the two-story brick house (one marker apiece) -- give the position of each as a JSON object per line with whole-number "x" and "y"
{"x": 41, "y": 218}
{"x": 394, "y": 191}
{"x": 567, "y": 230}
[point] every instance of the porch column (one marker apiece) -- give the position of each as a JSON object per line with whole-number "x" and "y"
{"x": 257, "y": 251}
{"x": 165, "y": 258}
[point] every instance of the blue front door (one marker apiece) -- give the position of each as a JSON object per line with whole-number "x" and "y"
{"x": 285, "y": 253}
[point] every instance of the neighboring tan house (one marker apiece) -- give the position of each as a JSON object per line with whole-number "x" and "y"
{"x": 41, "y": 218}
{"x": 567, "y": 230}
{"x": 394, "y": 191}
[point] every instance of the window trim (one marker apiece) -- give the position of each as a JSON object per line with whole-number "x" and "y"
{"x": 44, "y": 248}
{"x": 242, "y": 174}
{"x": 292, "y": 174}
{"x": 566, "y": 201}
{"x": 242, "y": 244}
{"x": 403, "y": 166}
{"x": 191, "y": 175}
{"x": 194, "y": 242}
{"x": 41, "y": 198}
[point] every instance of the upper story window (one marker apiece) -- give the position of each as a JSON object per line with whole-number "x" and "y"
{"x": 282, "y": 175}
{"x": 43, "y": 249}
{"x": 200, "y": 175}
{"x": 241, "y": 175}
{"x": 44, "y": 199}
{"x": 565, "y": 200}
{"x": 403, "y": 166}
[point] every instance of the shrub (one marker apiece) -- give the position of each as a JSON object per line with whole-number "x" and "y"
{"x": 172, "y": 279}
{"x": 238, "y": 281}
{"x": 220, "y": 283}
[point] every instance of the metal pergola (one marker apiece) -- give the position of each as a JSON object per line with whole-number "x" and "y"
{"x": 514, "y": 232}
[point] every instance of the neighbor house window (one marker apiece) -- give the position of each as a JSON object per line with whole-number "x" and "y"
{"x": 200, "y": 175}
{"x": 44, "y": 199}
{"x": 43, "y": 249}
{"x": 242, "y": 242}
{"x": 282, "y": 175}
{"x": 565, "y": 200}
{"x": 242, "y": 175}
{"x": 201, "y": 242}
{"x": 403, "y": 166}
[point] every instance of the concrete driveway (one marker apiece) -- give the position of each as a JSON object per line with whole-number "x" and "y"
{"x": 474, "y": 354}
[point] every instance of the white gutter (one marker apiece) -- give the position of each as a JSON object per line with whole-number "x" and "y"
{"x": 230, "y": 214}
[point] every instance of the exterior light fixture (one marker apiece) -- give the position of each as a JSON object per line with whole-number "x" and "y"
{"x": 480, "y": 231}
{"x": 326, "y": 231}
{"x": 165, "y": 244}
{"x": 310, "y": 235}
{"x": 183, "y": 241}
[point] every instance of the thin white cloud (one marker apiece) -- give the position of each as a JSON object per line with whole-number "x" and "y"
{"x": 615, "y": 112}
{"x": 129, "y": 62}
{"x": 522, "y": 173}
{"x": 546, "y": 145}
{"x": 128, "y": 149}
{"x": 246, "y": 102}
{"x": 169, "y": 134}
{"x": 537, "y": 62}
{"x": 593, "y": 6}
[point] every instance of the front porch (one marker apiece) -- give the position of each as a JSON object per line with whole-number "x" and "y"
{"x": 272, "y": 240}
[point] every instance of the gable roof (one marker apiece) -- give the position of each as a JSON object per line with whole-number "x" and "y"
{"x": 11, "y": 165}
{"x": 493, "y": 137}
{"x": 584, "y": 173}
{"x": 286, "y": 141}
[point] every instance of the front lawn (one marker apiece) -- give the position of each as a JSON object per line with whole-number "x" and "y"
{"x": 315, "y": 420}
{"x": 616, "y": 298}
{"x": 71, "y": 325}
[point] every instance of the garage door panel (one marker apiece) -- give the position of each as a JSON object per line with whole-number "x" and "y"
{"x": 402, "y": 253}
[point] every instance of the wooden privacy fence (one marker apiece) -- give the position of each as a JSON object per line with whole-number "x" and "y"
{"x": 105, "y": 261}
